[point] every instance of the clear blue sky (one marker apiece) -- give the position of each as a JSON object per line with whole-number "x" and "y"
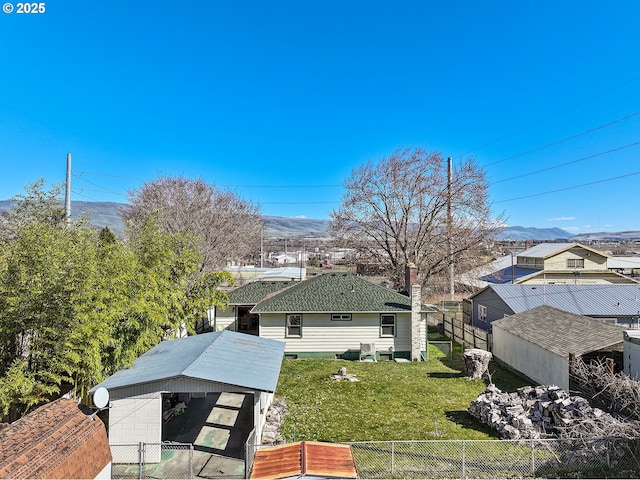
{"x": 278, "y": 101}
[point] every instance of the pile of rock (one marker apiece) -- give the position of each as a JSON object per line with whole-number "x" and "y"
{"x": 343, "y": 376}
{"x": 535, "y": 412}
{"x": 275, "y": 415}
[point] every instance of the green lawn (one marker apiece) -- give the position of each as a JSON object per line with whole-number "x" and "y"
{"x": 392, "y": 401}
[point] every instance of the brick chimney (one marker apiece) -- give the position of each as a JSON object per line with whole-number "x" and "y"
{"x": 410, "y": 277}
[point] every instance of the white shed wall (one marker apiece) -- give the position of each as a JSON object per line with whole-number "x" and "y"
{"x": 133, "y": 420}
{"x": 321, "y": 334}
{"x": 535, "y": 362}
{"x": 632, "y": 359}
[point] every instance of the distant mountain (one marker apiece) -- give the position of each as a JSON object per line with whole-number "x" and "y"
{"x": 283, "y": 227}
{"x": 532, "y": 233}
{"x": 628, "y": 236}
{"x": 103, "y": 214}
{"x": 108, "y": 214}
{"x": 100, "y": 214}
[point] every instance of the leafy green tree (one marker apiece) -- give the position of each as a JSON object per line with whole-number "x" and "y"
{"x": 77, "y": 305}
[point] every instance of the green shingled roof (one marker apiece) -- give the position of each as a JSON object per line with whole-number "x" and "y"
{"x": 253, "y": 292}
{"x": 334, "y": 292}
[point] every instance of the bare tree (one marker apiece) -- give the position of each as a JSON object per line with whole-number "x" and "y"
{"x": 228, "y": 227}
{"x": 396, "y": 212}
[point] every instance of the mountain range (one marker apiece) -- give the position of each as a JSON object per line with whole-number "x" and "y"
{"x": 107, "y": 214}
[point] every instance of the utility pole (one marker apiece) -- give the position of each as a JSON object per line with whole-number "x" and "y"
{"x": 67, "y": 192}
{"x": 450, "y": 230}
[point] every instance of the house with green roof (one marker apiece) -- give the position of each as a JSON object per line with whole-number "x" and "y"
{"x": 331, "y": 315}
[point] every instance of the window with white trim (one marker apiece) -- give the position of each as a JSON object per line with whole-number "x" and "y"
{"x": 482, "y": 313}
{"x": 388, "y": 325}
{"x": 340, "y": 317}
{"x": 294, "y": 325}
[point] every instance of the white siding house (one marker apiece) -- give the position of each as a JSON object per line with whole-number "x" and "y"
{"x": 330, "y": 315}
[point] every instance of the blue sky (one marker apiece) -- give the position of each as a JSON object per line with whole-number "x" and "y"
{"x": 278, "y": 101}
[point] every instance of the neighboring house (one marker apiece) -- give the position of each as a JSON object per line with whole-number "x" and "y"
{"x": 618, "y": 304}
{"x": 539, "y": 342}
{"x": 313, "y": 460}
{"x": 243, "y": 275}
{"x": 632, "y": 354}
{"x": 548, "y": 263}
{"x": 629, "y": 266}
{"x": 57, "y": 440}
{"x": 284, "y": 258}
{"x": 330, "y": 315}
{"x": 194, "y": 366}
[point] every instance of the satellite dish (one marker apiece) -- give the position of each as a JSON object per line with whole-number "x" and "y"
{"x": 101, "y": 397}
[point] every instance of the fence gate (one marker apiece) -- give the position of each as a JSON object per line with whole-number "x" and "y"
{"x": 152, "y": 460}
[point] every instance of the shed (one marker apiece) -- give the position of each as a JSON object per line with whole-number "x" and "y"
{"x": 632, "y": 353}
{"x": 57, "y": 440}
{"x": 214, "y": 362}
{"x": 538, "y": 342}
{"x": 313, "y": 460}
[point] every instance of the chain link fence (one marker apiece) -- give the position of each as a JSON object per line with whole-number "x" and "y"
{"x": 152, "y": 460}
{"x": 549, "y": 458}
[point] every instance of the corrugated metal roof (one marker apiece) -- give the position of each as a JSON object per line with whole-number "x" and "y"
{"x": 305, "y": 459}
{"x": 623, "y": 262}
{"x": 561, "y": 332}
{"x": 224, "y": 357}
{"x": 334, "y": 292}
{"x": 591, "y": 300}
{"x": 253, "y": 292}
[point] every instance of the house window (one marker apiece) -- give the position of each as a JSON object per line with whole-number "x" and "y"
{"x": 482, "y": 313}
{"x": 388, "y": 325}
{"x": 575, "y": 262}
{"x": 340, "y": 317}
{"x": 294, "y": 325}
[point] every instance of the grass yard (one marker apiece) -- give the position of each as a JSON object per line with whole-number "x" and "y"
{"x": 392, "y": 401}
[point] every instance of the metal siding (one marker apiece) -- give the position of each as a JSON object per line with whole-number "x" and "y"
{"x": 173, "y": 385}
{"x": 590, "y": 300}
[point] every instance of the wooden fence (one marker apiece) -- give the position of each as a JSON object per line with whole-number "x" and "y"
{"x": 466, "y": 335}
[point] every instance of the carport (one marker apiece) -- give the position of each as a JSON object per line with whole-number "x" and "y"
{"x": 225, "y": 380}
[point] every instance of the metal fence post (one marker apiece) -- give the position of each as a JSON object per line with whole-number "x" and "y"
{"x": 140, "y": 460}
{"x": 464, "y": 474}
{"x": 393, "y": 456}
{"x": 533, "y": 456}
{"x": 191, "y": 460}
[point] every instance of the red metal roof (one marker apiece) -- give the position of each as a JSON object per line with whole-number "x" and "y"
{"x": 304, "y": 458}
{"x": 57, "y": 440}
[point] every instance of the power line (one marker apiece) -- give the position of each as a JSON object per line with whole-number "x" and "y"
{"x": 586, "y": 132}
{"x": 499, "y": 139}
{"x": 568, "y": 163}
{"x": 106, "y": 190}
{"x": 569, "y": 188}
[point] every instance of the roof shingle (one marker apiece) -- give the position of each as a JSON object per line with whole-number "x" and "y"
{"x": 334, "y": 292}
{"x": 57, "y": 440}
{"x": 561, "y": 332}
